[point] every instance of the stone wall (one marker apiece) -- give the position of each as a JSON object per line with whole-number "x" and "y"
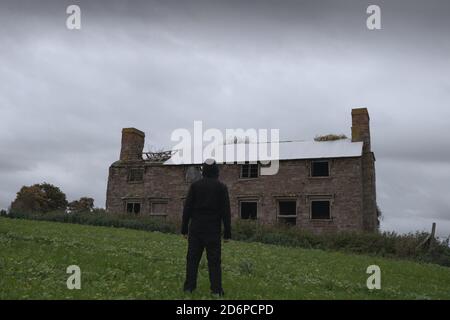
{"x": 293, "y": 181}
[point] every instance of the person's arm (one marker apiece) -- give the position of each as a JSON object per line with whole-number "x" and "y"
{"x": 187, "y": 211}
{"x": 226, "y": 216}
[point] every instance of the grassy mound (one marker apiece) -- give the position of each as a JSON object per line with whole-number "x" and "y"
{"x": 129, "y": 264}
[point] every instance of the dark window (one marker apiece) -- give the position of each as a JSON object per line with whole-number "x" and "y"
{"x": 287, "y": 208}
{"x": 320, "y": 169}
{"x": 249, "y": 209}
{"x": 249, "y": 170}
{"x": 287, "y": 212}
{"x": 136, "y": 175}
{"x": 133, "y": 207}
{"x": 320, "y": 209}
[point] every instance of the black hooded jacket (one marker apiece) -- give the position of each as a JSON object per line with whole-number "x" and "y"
{"x": 207, "y": 205}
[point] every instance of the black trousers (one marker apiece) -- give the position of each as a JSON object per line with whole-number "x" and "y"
{"x": 197, "y": 243}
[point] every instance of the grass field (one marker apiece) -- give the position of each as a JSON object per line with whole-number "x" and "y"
{"x": 129, "y": 264}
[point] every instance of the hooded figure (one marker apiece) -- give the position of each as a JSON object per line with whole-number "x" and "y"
{"x": 207, "y": 205}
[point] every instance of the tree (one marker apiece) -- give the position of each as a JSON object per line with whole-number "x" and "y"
{"x": 83, "y": 204}
{"x": 56, "y": 199}
{"x": 42, "y": 198}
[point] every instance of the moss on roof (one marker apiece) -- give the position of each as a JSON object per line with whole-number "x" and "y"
{"x": 330, "y": 137}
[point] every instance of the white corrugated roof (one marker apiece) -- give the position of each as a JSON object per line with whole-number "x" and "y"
{"x": 288, "y": 150}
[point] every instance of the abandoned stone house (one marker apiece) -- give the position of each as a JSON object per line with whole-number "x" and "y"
{"x": 321, "y": 186}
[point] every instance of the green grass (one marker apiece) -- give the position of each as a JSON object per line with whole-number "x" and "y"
{"x": 130, "y": 264}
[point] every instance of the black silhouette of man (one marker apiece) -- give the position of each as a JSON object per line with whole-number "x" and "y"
{"x": 207, "y": 206}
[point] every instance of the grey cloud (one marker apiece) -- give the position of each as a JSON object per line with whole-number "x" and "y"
{"x": 159, "y": 65}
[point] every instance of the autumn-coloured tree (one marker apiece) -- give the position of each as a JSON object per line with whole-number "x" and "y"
{"x": 42, "y": 197}
{"x": 83, "y": 204}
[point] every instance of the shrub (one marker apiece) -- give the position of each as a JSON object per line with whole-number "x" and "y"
{"x": 81, "y": 205}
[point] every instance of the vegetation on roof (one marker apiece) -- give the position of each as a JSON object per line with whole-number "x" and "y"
{"x": 330, "y": 137}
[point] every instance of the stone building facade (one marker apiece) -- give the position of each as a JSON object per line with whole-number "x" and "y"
{"x": 328, "y": 192}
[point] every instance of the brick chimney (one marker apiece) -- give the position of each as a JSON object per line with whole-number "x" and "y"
{"x": 132, "y": 144}
{"x": 360, "y": 127}
{"x": 361, "y": 132}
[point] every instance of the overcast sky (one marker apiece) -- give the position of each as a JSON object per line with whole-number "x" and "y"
{"x": 299, "y": 66}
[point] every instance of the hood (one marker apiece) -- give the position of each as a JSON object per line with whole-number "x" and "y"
{"x": 210, "y": 170}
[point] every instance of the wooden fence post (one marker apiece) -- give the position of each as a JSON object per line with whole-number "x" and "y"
{"x": 433, "y": 230}
{"x": 429, "y": 239}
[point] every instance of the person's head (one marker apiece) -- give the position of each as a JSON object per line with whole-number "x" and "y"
{"x": 210, "y": 169}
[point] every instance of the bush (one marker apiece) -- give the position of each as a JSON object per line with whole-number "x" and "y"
{"x": 386, "y": 244}
{"x": 100, "y": 218}
{"x": 81, "y": 205}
